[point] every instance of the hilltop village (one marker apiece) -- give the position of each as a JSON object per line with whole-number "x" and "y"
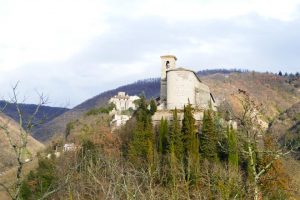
{"x": 178, "y": 87}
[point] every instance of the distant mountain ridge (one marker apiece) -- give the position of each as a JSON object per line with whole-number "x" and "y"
{"x": 45, "y": 114}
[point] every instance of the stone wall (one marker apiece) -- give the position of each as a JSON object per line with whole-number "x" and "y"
{"x": 180, "y": 88}
{"x": 183, "y": 87}
{"x": 168, "y": 115}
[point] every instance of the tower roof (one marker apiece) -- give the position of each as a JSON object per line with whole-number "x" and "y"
{"x": 168, "y": 56}
{"x": 184, "y": 69}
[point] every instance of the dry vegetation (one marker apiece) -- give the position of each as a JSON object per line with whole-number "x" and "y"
{"x": 8, "y": 162}
{"x": 273, "y": 92}
{"x": 276, "y": 93}
{"x": 99, "y": 169}
{"x": 7, "y": 157}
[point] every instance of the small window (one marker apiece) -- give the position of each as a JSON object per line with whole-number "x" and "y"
{"x": 167, "y": 64}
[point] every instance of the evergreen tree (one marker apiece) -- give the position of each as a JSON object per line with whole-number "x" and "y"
{"x": 153, "y": 107}
{"x": 176, "y": 138}
{"x": 176, "y": 151}
{"x": 141, "y": 144}
{"x": 191, "y": 145}
{"x": 163, "y": 133}
{"x": 208, "y": 137}
{"x": 233, "y": 156}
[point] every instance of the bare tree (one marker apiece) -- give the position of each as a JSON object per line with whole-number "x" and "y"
{"x": 20, "y": 145}
{"x": 252, "y": 133}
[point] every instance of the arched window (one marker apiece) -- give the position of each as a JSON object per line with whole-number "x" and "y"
{"x": 167, "y": 64}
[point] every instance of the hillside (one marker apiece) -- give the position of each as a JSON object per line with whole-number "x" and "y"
{"x": 149, "y": 87}
{"x": 286, "y": 127}
{"x": 7, "y": 157}
{"x": 275, "y": 93}
{"x": 45, "y": 114}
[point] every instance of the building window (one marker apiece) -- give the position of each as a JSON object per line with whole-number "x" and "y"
{"x": 167, "y": 64}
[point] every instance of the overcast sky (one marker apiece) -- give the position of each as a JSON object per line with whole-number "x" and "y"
{"x": 73, "y": 50}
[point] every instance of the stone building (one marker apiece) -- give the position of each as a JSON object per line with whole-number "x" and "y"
{"x": 180, "y": 86}
{"x": 121, "y": 113}
{"x": 119, "y": 120}
{"x": 123, "y": 101}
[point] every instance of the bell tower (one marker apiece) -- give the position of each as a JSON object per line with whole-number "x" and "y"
{"x": 168, "y": 62}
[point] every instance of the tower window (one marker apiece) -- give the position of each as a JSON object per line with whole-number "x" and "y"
{"x": 167, "y": 64}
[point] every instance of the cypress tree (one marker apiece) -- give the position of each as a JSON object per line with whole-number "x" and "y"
{"x": 233, "y": 156}
{"x": 176, "y": 138}
{"x": 208, "y": 137}
{"x": 153, "y": 107}
{"x": 141, "y": 144}
{"x": 163, "y": 133}
{"x": 191, "y": 144}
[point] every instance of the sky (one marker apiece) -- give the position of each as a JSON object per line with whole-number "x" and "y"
{"x": 72, "y": 50}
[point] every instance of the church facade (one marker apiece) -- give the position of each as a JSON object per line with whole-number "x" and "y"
{"x": 180, "y": 86}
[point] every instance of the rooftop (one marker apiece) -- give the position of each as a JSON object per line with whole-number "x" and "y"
{"x": 184, "y": 69}
{"x": 168, "y": 56}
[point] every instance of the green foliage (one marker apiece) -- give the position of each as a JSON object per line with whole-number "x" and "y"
{"x": 176, "y": 138}
{"x": 153, "y": 107}
{"x": 101, "y": 110}
{"x": 233, "y": 155}
{"x": 25, "y": 192}
{"x": 208, "y": 137}
{"x": 191, "y": 144}
{"x": 179, "y": 149}
{"x": 163, "y": 136}
{"x": 69, "y": 128}
{"x": 39, "y": 182}
{"x": 141, "y": 144}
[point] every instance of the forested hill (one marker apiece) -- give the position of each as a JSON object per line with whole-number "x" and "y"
{"x": 45, "y": 114}
{"x": 276, "y": 92}
{"x": 286, "y": 127}
{"x": 149, "y": 87}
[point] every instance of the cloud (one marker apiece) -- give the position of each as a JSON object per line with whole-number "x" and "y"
{"x": 73, "y": 50}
